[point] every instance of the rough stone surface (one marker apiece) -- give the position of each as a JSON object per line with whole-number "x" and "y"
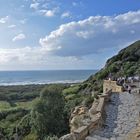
{"x": 122, "y": 115}
{"x": 68, "y": 137}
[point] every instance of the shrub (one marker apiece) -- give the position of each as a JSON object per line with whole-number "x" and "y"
{"x": 47, "y": 114}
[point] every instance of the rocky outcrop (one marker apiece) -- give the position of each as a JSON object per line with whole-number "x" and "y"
{"x": 78, "y": 117}
{"x": 84, "y": 121}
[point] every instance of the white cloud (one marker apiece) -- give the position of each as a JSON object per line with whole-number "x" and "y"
{"x": 92, "y": 35}
{"x": 34, "y": 5}
{"x": 85, "y": 34}
{"x": 36, "y": 58}
{"x": 4, "y": 19}
{"x": 84, "y": 39}
{"x": 49, "y": 13}
{"x": 65, "y": 15}
{"x": 12, "y": 26}
{"x": 22, "y": 55}
{"x": 20, "y": 36}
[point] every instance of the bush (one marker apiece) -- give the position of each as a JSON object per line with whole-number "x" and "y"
{"x": 51, "y": 138}
{"x": 88, "y": 100}
{"x": 47, "y": 114}
{"x": 71, "y": 90}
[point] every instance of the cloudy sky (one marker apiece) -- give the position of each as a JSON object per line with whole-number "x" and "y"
{"x": 65, "y": 34}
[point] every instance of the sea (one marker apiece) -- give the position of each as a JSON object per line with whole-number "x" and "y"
{"x": 43, "y": 77}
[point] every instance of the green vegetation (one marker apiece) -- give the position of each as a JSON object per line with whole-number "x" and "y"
{"x": 35, "y": 114}
{"x": 48, "y": 113}
{"x": 125, "y": 63}
{"x": 15, "y": 108}
{"x": 43, "y": 116}
{"x": 4, "y": 105}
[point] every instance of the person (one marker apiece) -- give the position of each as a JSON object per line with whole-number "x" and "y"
{"x": 124, "y": 86}
{"x": 129, "y": 89}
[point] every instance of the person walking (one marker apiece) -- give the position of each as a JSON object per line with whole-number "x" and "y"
{"x": 129, "y": 89}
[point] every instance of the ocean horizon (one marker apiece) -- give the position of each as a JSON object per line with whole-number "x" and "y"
{"x": 29, "y": 77}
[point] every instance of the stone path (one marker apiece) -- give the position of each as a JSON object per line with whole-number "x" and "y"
{"x": 122, "y": 115}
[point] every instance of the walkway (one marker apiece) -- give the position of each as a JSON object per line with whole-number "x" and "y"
{"x": 122, "y": 115}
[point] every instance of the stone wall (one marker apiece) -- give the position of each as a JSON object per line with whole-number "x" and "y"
{"x": 108, "y": 84}
{"x": 95, "y": 113}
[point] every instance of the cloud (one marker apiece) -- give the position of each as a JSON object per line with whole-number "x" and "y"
{"x": 4, "y": 19}
{"x": 84, "y": 44}
{"x": 92, "y": 35}
{"x": 22, "y": 55}
{"x": 12, "y": 26}
{"x": 49, "y": 13}
{"x": 65, "y": 15}
{"x": 34, "y": 5}
{"x": 19, "y": 37}
{"x": 36, "y": 58}
{"x": 47, "y": 8}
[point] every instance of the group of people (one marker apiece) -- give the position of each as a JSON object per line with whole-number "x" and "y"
{"x": 122, "y": 81}
{"x": 126, "y": 82}
{"x": 127, "y": 87}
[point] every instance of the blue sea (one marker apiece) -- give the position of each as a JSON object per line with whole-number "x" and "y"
{"x": 44, "y": 77}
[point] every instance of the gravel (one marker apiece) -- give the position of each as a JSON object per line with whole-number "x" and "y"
{"x": 122, "y": 115}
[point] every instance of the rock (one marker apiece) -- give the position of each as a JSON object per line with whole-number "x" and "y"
{"x": 68, "y": 137}
{"x": 79, "y": 117}
{"x": 93, "y": 110}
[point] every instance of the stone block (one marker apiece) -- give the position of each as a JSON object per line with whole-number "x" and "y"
{"x": 100, "y": 105}
{"x": 81, "y": 133}
{"x": 111, "y": 85}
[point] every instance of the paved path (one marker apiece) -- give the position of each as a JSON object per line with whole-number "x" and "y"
{"x": 122, "y": 115}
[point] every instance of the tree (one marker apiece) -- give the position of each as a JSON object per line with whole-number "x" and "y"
{"x": 48, "y": 113}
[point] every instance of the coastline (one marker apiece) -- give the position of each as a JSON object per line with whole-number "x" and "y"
{"x": 41, "y": 83}
{"x": 13, "y": 78}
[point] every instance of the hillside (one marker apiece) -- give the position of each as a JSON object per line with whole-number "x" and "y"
{"x": 125, "y": 63}
{"x": 24, "y": 108}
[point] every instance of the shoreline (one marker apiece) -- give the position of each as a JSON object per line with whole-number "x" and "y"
{"x": 41, "y": 83}
{"x": 14, "y": 78}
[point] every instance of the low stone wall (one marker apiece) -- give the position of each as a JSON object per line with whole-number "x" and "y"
{"x": 108, "y": 84}
{"x": 96, "y": 114}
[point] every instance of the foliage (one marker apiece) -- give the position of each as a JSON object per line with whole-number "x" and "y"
{"x": 88, "y": 100}
{"x": 125, "y": 63}
{"x": 51, "y": 138}
{"x": 42, "y": 115}
{"x": 47, "y": 114}
{"x": 71, "y": 90}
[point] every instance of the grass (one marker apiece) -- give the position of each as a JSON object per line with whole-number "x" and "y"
{"x": 4, "y": 105}
{"x": 26, "y": 105}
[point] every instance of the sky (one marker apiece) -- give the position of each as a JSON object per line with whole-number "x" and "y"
{"x": 65, "y": 34}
